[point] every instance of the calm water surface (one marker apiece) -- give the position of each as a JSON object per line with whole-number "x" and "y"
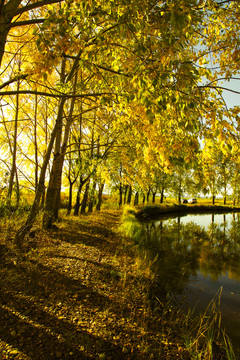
{"x": 196, "y": 256}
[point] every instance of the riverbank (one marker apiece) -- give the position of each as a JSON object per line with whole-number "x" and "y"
{"x": 82, "y": 291}
{"x": 153, "y": 211}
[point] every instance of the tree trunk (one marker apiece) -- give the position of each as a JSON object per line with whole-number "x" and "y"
{"x": 92, "y": 197}
{"x": 162, "y": 196}
{"x": 148, "y": 195}
{"x": 100, "y": 192}
{"x": 213, "y": 199}
{"x": 17, "y": 190}
{"x": 77, "y": 204}
{"x": 52, "y": 194}
{"x": 125, "y": 194}
{"x": 69, "y": 207}
{"x": 85, "y": 198}
{"x": 129, "y": 198}
{"x": 13, "y": 171}
{"x": 43, "y": 197}
{"x": 53, "y": 198}
{"x": 5, "y": 25}
{"x": 24, "y": 230}
{"x": 8, "y": 12}
{"x": 153, "y": 197}
{"x": 179, "y": 197}
{"x": 144, "y": 198}
{"x": 35, "y": 142}
{"x": 120, "y": 195}
{"x": 71, "y": 182}
{"x": 225, "y": 195}
{"x": 136, "y": 199}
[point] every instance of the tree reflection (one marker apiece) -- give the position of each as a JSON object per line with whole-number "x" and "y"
{"x": 185, "y": 248}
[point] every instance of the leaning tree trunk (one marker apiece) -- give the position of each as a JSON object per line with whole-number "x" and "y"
{"x": 24, "y": 230}
{"x": 13, "y": 171}
{"x": 53, "y": 197}
{"x": 52, "y": 194}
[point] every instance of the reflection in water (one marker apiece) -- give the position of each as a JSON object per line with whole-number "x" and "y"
{"x": 196, "y": 255}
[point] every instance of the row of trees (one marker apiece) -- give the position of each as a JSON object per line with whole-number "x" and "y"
{"x": 116, "y": 93}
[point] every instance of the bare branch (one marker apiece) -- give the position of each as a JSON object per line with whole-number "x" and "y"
{"x": 220, "y": 88}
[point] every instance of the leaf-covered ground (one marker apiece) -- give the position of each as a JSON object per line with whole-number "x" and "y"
{"x": 82, "y": 293}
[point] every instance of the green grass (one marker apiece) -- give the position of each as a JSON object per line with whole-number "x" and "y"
{"x": 151, "y": 211}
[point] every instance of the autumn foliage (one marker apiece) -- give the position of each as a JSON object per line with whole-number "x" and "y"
{"x": 126, "y": 95}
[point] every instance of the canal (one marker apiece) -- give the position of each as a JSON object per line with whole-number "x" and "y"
{"x": 197, "y": 257}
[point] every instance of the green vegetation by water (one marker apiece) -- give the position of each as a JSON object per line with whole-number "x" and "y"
{"x": 153, "y": 211}
{"x": 174, "y": 252}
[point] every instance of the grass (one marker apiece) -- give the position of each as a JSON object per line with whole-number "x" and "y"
{"x": 86, "y": 291}
{"x": 209, "y": 338}
{"x": 170, "y": 207}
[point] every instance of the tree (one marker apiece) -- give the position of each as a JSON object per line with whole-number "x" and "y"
{"x": 141, "y": 62}
{"x": 12, "y": 15}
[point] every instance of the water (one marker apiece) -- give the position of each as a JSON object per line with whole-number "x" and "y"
{"x": 197, "y": 256}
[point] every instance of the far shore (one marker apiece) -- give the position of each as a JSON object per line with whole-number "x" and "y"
{"x": 153, "y": 211}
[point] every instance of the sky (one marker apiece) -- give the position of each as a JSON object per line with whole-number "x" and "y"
{"x": 231, "y": 98}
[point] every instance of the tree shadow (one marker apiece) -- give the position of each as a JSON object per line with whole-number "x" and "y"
{"x": 83, "y": 260}
{"x": 47, "y": 315}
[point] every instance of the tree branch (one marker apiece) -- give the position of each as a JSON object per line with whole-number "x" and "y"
{"x": 14, "y": 92}
{"x": 35, "y": 5}
{"x": 111, "y": 70}
{"x": 26, "y": 22}
{"x": 16, "y": 78}
{"x": 220, "y": 88}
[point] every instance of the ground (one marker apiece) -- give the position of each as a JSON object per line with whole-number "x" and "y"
{"x": 77, "y": 293}
{"x": 85, "y": 291}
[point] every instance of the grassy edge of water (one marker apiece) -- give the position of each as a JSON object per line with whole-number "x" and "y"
{"x": 152, "y": 211}
{"x": 201, "y": 334}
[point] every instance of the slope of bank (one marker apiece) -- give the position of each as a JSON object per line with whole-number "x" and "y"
{"x": 153, "y": 211}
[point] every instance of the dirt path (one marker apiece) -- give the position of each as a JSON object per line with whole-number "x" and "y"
{"x": 77, "y": 295}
